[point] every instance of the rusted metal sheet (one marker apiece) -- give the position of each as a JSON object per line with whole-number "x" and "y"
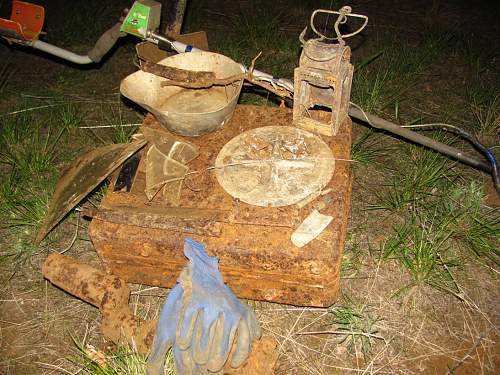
{"x": 257, "y": 258}
{"x": 190, "y": 220}
{"x": 84, "y": 174}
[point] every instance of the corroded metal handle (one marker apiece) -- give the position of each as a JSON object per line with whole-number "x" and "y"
{"x": 343, "y": 13}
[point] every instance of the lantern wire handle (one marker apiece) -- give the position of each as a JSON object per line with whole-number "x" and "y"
{"x": 343, "y": 13}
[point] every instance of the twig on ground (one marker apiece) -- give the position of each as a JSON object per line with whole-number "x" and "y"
{"x": 472, "y": 348}
{"x": 144, "y": 290}
{"x": 109, "y": 126}
{"x": 55, "y": 367}
{"x": 313, "y": 321}
{"x": 386, "y": 363}
{"x": 359, "y": 333}
{"x": 289, "y": 335}
{"x": 75, "y": 236}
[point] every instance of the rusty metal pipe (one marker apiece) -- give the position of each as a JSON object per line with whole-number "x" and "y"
{"x": 108, "y": 293}
{"x": 111, "y": 294}
{"x": 380, "y": 123}
{"x": 85, "y": 282}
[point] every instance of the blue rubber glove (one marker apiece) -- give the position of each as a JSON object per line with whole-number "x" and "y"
{"x": 201, "y": 319}
{"x": 165, "y": 332}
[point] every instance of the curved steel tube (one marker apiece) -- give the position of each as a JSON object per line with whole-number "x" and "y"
{"x": 62, "y": 53}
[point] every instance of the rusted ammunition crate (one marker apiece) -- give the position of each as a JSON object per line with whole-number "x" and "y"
{"x": 142, "y": 241}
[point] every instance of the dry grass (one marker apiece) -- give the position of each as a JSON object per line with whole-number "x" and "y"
{"x": 414, "y": 332}
{"x": 375, "y": 328}
{"x": 411, "y": 338}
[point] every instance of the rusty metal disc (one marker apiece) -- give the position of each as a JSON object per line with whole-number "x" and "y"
{"x": 274, "y": 166}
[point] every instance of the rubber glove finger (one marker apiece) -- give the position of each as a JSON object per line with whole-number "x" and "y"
{"x": 165, "y": 333}
{"x": 222, "y": 342}
{"x": 187, "y": 366}
{"x": 217, "y": 358}
{"x": 253, "y": 324}
{"x": 185, "y": 327}
{"x": 161, "y": 343}
{"x": 203, "y": 336}
{"x": 166, "y": 326}
{"x": 199, "y": 369}
{"x": 243, "y": 345}
{"x": 220, "y": 372}
{"x": 156, "y": 360}
{"x": 183, "y": 362}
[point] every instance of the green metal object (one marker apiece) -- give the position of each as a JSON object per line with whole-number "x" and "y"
{"x": 143, "y": 17}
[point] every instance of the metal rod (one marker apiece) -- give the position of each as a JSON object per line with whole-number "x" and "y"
{"x": 62, "y": 53}
{"x": 380, "y": 123}
{"x": 257, "y": 74}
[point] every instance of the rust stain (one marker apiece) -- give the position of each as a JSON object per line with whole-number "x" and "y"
{"x": 119, "y": 324}
{"x": 257, "y": 257}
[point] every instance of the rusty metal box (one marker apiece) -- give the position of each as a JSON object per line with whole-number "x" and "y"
{"x": 142, "y": 241}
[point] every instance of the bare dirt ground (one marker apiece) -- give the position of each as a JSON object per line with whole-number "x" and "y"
{"x": 422, "y": 331}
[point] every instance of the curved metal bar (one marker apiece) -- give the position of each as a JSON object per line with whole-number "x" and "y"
{"x": 62, "y": 53}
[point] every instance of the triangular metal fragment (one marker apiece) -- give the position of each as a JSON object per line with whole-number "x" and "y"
{"x": 83, "y": 176}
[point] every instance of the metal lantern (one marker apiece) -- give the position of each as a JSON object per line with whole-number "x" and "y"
{"x": 322, "y": 82}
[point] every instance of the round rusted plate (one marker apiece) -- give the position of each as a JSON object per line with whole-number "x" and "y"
{"x": 274, "y": 166}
